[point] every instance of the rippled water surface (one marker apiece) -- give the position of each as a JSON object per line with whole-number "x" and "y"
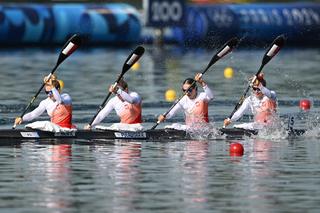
{"x": 275, "y": 174}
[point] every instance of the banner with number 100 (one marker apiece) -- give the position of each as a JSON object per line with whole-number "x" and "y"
{"x": 163, "y": 13}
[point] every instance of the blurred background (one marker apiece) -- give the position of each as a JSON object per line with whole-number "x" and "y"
{"x": 139, "y": 2}
{"x": 188, "y": 23}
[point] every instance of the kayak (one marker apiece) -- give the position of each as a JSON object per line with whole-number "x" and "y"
{"x": 147, "y": 135}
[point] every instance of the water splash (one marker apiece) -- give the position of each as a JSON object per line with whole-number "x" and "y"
{"x": 275, "y": 130}
{"x": 204, "y": 131}
{"x": 312, "y": 123}
{"x": 282, "y": 129}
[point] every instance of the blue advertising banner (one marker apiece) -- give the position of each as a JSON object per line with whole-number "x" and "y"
{"x": 164, "y": 13}
{"x": 44, "y": 24}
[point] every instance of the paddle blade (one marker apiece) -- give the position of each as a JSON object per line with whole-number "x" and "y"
{"x": 274, "y": 48}
{"x": 132, "y": 58}
{"x": 224, "y": 50}
{"x": 69, "y": 47}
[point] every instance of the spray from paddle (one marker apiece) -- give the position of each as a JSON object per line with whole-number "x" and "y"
{"x": 274, "y": 48}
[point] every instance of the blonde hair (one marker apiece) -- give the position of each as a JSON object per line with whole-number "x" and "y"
{"x": 52, "y": 77}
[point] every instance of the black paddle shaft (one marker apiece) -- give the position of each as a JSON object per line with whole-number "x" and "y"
{"x": 224, "y": 50}
{"x": 274, "y": 48}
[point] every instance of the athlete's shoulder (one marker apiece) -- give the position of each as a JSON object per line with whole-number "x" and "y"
{"x": 132, "y": 93}
{"x": 66, "y": 95}
{"x": 66, "y": 98}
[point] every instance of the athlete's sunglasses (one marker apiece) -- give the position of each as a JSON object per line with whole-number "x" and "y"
{"x": 188, "y": 90}
{"x": 48, "y": 92}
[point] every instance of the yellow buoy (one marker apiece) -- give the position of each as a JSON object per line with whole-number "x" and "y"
{"x": 228, "y": 72}
{"x": 170, "y": 95}
{"x": 61, "y": 84}
{"x": 136, "y": 66}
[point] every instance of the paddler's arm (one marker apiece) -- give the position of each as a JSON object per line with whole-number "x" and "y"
{"x": 102, "y": 114}
{"x": 132, "y": 98}
{"x": 61, "y": 98}
{"x": 33, "y": 114}
{"x": 269, "y": 93}
{"x": 172, "y": 112}
{"x": 56, "y": 95}
{"x": 238, "y": 114}
{"x": 209, "y": 94}
{"x": 208, "y": 91}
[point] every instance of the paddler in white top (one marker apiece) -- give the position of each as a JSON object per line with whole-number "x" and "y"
{"x": 126, "y": 104}
{"x": 58, "y": 106}
{"x": 262, "y": 103}
{"x": 194, "y": 104}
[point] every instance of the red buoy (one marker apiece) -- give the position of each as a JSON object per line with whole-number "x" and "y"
{"x": 236, "y": 149}
{"x": 305, "y": 104}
